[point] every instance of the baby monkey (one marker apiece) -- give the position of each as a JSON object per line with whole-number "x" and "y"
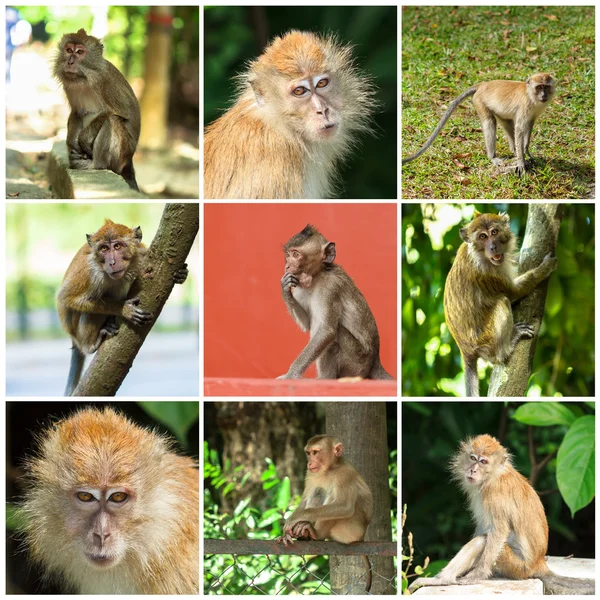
{"x": 480, "y": 288}
{"x": 515, "y": 105}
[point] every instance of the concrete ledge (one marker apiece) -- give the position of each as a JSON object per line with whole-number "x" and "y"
{"x": 84, "y": 185}
{"x": 581, "y": 568}
{"x": 229, "y": 386}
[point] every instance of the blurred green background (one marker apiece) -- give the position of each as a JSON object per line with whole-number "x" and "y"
{"x": 565, "y": 358}
{"x": 236, "y": 34}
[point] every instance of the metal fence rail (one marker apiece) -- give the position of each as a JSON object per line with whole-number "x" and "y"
{"x": 268, "y": 567}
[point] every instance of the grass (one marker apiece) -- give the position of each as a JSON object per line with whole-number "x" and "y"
{"x": 445, "y": 50}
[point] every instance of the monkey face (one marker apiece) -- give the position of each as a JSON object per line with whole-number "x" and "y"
{"x": 477, "y": 469}
{"x": 114, "y": 257}
{"x": 74, "y": 55}
{"x": 490, "y": 236}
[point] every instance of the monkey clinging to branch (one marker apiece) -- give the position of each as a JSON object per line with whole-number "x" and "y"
{"x": 479, "y": 290}
{"x": 511, "y": 537}
{"x": 323, "y": 299}
{"x": 104, "y": 124}
{"x": 515, "y": 105}
{"x": 300, "y": 107}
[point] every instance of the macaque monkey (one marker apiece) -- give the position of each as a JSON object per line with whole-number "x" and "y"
{"x": 511, "y": 531}
{"x": 104, "y": 124}
{"x": 100, "y": 285}
{"x": 336, "y": 503}
{"x": 515, "y": 105}
{"x": 480, "y": 288}
{"x": 324, "y": 300}
{"x": 299, "y": 109}
{"x": 110, "y": 508}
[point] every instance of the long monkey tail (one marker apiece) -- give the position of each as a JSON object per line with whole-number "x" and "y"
{"x": 557, "y": 585}
{"x": 368, "y": 571}
{"x": 437, "y": 130}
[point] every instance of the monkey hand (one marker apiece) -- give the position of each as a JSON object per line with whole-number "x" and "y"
{"x": 439, "y": 579}
{"x": 286, "y": 538}
{"x": 303, "y": 530}
{"x": 288, "y": 281}
{"x": 549, "y": 263}
{"x": 132, "y": 312}
{"x": 181, "y": 274}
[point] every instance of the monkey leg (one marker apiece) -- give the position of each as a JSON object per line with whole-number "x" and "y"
{"x": 327, "y": 362}
{"x": 488, "y": 127}
{"x": 511, "y": 566}
{"x": 113, "y": 149}
{"x": 77, "y": 361}
{"x": 93, "y": 329}
{"x": 520, "y": 331}
{"x": 520, "y": 133}
{"x": 471, "y": 376}
{"x": 509, "y": 129}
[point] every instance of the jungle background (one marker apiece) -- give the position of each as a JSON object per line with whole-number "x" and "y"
{"x": 437, "y": 514}
{"x": 235, "y": 34}
{"x": 178, "y": 420}
{"x": 564, "y": 362}
{"x": 157, "y": 50}
{"x": 254, "y": 468}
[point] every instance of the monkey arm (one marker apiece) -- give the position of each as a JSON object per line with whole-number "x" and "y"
{"x": 494, "y": 541}
{"x": 316, "y": 345}
{"x": 88, "y": 134}
{"x": 526, "y": 283}
{"x": 128, "y": 309}
{"x": 288, "y": 282}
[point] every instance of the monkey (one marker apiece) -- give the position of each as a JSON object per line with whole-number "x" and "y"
{"x": 323, "y": 299}
{"x": 515, "y": 105}
{"x": 101, "y": 284}
{"x": 479, "y": 290}
{"x": 336, "y": 504}
{"x": 299, "y": 109}
{"x": 511, "y": 537}
{"x": 110, "y": 508}
{"x": 104, "y": 125}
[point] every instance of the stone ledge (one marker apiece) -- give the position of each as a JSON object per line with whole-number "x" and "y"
{"x": 84, "y": 185}
{"x": 567, "y": 567}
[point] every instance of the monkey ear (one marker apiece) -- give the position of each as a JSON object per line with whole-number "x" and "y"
{"x": 89, "y": 239}
{"x": 505, "y": 217}
{"x": 82, "y": 32}
{"x": 329, "y": 253}
{"x": 258, "y": 93}
{"x": 464, "y": 235}
{"x": 137, "y": 233}
{"x": 338, "y": 449}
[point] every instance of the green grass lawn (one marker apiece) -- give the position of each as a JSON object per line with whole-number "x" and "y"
{"x": 445, "y": 50}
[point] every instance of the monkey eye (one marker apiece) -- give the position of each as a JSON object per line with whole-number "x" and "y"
{"x": 85, "y": 497}
{"x": 296, "y": 254}
{"x": 323, "y": 82}
{"x": 494, "y": 231}
{"x": 103, "y": 248}
{"x": 118, "y": 246}
{"x": 484, "y": 461}
{"x": 473, "y": 457}
{"x": 482, "y": 236}
{"x": 118, "y": 497}
{"x": 299, "y": 91}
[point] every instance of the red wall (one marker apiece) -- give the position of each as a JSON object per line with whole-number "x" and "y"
{"x": 247, "y": 329}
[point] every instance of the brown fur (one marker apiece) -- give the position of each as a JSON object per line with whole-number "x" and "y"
{"x": 511, "y": 538}
{"x": 478, "y": 294}
{"x": 104, "y": 125}
{"x": 314, "y": 289}
{"x": 154, "y": 537}
{"x": 271, "y": 144}
{"x": 515, "y": 105}
{"x": 336, "y": 504}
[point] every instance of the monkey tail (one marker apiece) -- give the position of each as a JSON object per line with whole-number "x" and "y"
{"x": 77, "y": 360}
{"x": 378, "y": 372}
{"x": 369, "y": 572}
{"x": 557, "y": 585}
{"x": 128, "y": 174}
{"x": 437, "y": 130}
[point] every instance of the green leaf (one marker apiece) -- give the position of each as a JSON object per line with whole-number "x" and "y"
{"x": 575, "y": 469}
{"x": 177, "y": 416}
{"x": 15, "y": 518}
{"x": 544, "y": 414}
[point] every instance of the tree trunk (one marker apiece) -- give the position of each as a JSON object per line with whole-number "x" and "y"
{"x": 170, "y": 247}
{"x": 154, "y": 101}
{"x": 541, "y": 236}
{"x": 362, "y": 427}
{"x": 254, "y": 430}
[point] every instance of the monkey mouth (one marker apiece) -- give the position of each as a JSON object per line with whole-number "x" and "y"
{"x": 329, "y": 129}
{"x": 497, "y": 259}
{"x": 117, "y": 274}
{"x": 100, "y": 560}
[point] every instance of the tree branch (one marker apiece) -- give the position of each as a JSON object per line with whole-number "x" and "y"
{"x": 167, "y": 254}
{"x": 541, "y": 236}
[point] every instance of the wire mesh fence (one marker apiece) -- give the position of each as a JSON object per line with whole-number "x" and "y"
{"x": 267, "y": 567}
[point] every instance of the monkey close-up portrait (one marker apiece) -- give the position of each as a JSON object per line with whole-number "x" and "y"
{"x": 99, "y": 292}
{"x": 104, "y": 123}
{"x": 516, "y": 526}
{"x": 323, "y": 300}
{"x": 303, "y": 109}
{"x": 106, "y": 506}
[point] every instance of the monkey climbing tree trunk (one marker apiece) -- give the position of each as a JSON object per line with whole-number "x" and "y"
{"x": 362, "y": 428}
{"x": 541, "y": 236}
{"x": 167, "y": 254}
